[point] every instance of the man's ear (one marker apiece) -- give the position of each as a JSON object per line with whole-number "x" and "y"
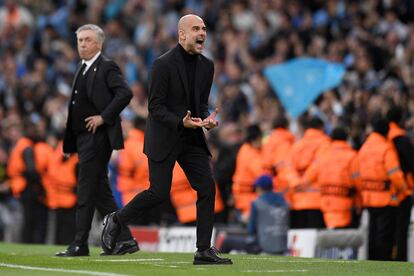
{"x": 181, "y": 34}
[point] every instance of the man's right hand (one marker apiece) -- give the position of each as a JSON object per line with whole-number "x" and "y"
{"x": 190, "y": 122}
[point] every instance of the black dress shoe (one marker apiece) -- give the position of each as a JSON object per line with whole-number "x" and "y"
{"x": 123, "y": 247}
{"x": 109, "y": 233}
{"x": 74, "y": 251}
{"x": 210, "y": 257}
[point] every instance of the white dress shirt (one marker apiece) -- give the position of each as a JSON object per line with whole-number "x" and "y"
{"x": 90, "y": 62}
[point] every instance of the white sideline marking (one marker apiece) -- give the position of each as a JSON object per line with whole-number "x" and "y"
{"x": 128, "y": 260}
{"x": 274, "y": 260}
{"x": 275, "y": 271}
{"x": 25, "y": 267}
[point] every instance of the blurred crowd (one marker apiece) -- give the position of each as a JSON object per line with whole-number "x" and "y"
{"x": 373, "y": 39}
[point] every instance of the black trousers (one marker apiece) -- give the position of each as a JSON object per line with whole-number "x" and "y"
{"x": 93, "y": 188}
{"x": 35, "y": 221}
{"x": 381, "y": 232}
{"x": 65, "y": 225}
{"x": 402, "y": 225}
{"x": 195, "y": 162}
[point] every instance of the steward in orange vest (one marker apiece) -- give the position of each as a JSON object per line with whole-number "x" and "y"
{"x": 133, "y": 175}
{"x": 184, "y": 198}
{"x": 61, "y": 193}
{"x": 26, "y": 168}
{"x": 305, "y": 205}
{"x": 249, "y": 166}
{"x": 333, "y": 172}
{"x": 405, "y": 151}
{"x": 381, "y": 186}
{"x": 276, "y": 151}
{"x": 16, "y": 166}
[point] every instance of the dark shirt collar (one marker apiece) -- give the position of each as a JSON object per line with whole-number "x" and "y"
{"x": 187, "y": 56}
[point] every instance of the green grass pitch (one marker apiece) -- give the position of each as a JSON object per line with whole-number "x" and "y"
{"x": 19, "y": 259}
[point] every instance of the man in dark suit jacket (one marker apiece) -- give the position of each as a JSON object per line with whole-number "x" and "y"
{"x": 178, "y": 110}
{"x": 93, "y": 130}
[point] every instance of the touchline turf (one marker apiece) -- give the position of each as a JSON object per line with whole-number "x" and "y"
{"x": 22, "y": 259}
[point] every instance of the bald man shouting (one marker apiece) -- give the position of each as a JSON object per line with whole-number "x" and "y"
{"x": 179, "y": 88}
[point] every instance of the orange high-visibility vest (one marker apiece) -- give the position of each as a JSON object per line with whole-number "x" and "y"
{"x": 184, "y": 198}
{"x": 16, "y": 166}
{"x": 303, "y": 153}
{"x": 273, "y": 152}
{"x": 61, "y": 180}
{"x": 249, "y": 166}
{"x": 43, "y": 153}
{"x": 133, "y": 173}
{"x": 381, "y": 179}
{"x": 333, "y": 172}
{"x": 276, "y": 150}
{"x": 394, "y": 132}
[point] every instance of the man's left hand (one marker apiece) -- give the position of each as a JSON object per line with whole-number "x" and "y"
{"x": 211, "y": 122}
{"x": 93, "y": 122}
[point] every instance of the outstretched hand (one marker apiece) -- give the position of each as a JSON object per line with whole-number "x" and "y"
{"x": 191, "y": 122}
{"x": 210, "y": 121}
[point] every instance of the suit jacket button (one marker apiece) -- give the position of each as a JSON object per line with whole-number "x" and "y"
{"x": 73, "y": 102}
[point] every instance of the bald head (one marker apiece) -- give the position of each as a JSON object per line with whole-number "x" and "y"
{"x": 186, "y": 21}
{"x": 192, "y": 33}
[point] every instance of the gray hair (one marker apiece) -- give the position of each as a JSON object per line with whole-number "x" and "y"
{"x": 98, "y": 31}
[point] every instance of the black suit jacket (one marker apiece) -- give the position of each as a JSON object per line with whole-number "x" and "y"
{"x": 168, "y": 101}
{"x": 110, "y": 94}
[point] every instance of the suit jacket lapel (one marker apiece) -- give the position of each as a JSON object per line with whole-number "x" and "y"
{"x": 76, "y": 75}
{"x": 181, "y": 71}
{"x": 91, "y": 76}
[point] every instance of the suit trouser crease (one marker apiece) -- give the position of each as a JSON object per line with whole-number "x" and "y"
{"x": 195, "y": 162}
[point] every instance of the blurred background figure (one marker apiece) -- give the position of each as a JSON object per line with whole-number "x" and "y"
{"x": 268, "y": 223}
{"x": 306, "y": 197}
{"x": 333, "y": 172}
{"x": 381, "y": 186}
{"x": 405, "y": 150}
{"x": 61, "y": 193}
{"x": 11, "y": 213}
{"x": 26, "y": 168}
{"x": 249, "y": 166}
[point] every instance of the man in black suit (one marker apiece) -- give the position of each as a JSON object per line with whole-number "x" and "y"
{"x": 93, "y": 130}
{"x": 178, "y": 110}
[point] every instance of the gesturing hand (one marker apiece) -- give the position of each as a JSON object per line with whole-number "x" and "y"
{"x": 190, "y": 122}
{"x": 211, "y": 122}
{"x": 93, "y": 122}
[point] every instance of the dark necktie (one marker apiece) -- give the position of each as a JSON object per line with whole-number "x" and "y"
{"x": 82, "y": 68}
